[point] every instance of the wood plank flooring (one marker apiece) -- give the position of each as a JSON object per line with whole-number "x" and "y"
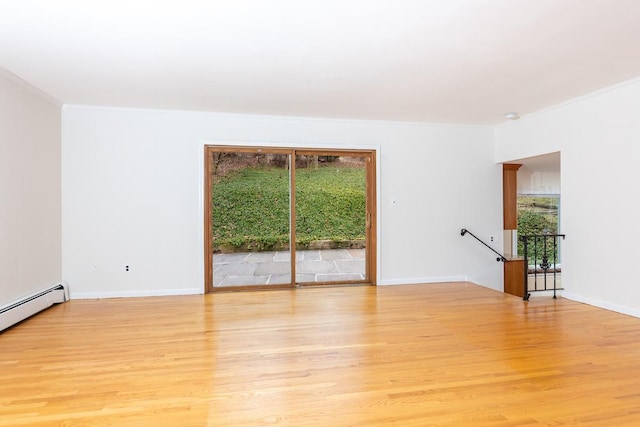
{"x": 450, "y": 354}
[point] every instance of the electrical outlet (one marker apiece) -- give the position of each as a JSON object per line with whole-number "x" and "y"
{"x": 126, "y": 268}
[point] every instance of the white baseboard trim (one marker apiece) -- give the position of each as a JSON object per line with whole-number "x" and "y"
{"x": 423, "y": 280}
{"x": 602, "y": 304}
{"x": 475, "y": 282}
{"x": 134, "y": 294}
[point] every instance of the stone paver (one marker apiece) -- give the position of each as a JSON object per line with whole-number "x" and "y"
{"x": 265, "y": 268}
{"x": 237, "y": 269}
{"x": 262, "y": 257}
{"x": 357, "y": 253}
{"x": 354, "y": 266}
{"x": 229, "y": 258}
{"x": 308, "y": 256}
{"x": 305, "y": 278}
{"x": 282, "y": 256}
{"x": 269, "y": 268}
{"x": 243, "y": 280}
{"x": 316, "y": 267}
{"x": 336, "y": 254}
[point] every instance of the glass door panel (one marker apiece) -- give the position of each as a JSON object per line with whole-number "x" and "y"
{"x": 331, "y": 218}
{"x": 250, "y": 218}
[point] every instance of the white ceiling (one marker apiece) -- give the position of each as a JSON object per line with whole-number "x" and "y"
{"x": 450, "y": 61}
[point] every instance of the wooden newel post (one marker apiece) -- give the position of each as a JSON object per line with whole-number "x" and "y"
{"x": 514, "y": 267}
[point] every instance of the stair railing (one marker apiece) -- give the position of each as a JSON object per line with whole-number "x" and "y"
{"x": 541, "y": 255}
{"x": 500, "y": 256}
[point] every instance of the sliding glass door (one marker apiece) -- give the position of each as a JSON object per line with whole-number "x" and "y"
{"x": 331, "y": 217}
{"x": 260, "y": 200}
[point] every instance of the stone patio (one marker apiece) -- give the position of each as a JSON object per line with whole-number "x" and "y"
{"x": 270, "y": 268}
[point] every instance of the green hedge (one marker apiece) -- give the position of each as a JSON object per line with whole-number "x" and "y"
{"x": 250, "y": 207}
{"x": 535, "y": 223}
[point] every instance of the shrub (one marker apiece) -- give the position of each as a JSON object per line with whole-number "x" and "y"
{"x": 250, "y": 207}
{"x": 534, "y": 223}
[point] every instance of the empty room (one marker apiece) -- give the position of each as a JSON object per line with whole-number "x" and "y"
{"x": 336, "y": 213}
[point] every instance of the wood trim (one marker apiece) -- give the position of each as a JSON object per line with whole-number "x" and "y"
{"x": 371, "y": 208}
{"x": 371, "y": 212}
{"x": 513, "y": 277}
{"x": 510, "y": 196}
{"x": 331, "y": 152}
{"x": 292, "y": 215}
{"x": 372, "y": 205}
{"x": 208, "y": 260}
{"x": 243, "y": 288}
{"x": 341, "y": 283}
{"x": 248, "y": 149}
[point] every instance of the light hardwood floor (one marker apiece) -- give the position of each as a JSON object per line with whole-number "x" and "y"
{"x": 450, "y": 354}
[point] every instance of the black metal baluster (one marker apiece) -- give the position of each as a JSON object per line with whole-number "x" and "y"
{"x": 535, "y": 262}
{"x": 526, "y": 294}
{"x": 544, "y": 265}
{"x": 555, "y": 264}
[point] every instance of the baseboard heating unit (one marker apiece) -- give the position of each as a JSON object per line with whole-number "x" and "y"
{"x": 17, "y": 311}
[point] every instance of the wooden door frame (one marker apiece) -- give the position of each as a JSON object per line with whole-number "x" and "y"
{"x": 371, "y": 206}
{"x": 371, "y": 209}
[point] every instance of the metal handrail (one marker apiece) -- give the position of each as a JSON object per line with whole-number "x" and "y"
{"x": 500, "y": 256}
{"x": 545, "y": 265}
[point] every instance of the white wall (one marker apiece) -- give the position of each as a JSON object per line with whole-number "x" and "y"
{"x": 599, "y": 139}
{"x": 531, "y": 181}
{"x": 132, "y": 184}
{"x": 30, "y": 222}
